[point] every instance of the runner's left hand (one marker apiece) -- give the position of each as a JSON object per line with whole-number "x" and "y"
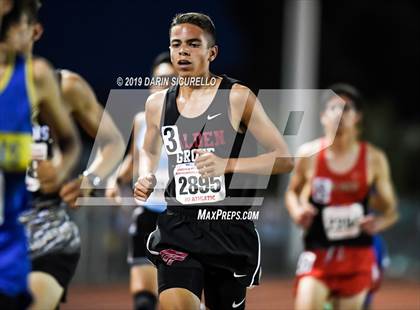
{"x": 49, "y": 176}
{"x": 70, "y": 191}
{"x": 210, "y": 165}
{"x": 368, "y": 224}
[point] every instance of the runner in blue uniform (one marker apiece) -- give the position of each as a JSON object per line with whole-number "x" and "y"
{"x": 26, "y": 88}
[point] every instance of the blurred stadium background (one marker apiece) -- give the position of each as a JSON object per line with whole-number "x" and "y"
{"x": 374, "y": 45}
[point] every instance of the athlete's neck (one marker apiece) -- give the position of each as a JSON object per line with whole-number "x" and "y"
{"x": 186, "y": 91}
{"x": 342, "y": 143}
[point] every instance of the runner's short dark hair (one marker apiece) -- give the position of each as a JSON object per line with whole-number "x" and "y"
{"x": 347, "y": 90}
{"x": 201, "y": 20}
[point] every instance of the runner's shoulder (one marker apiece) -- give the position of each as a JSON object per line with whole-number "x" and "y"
{"x": 140, "y": 117}
{"x": 154, "y": 104}
{"x": 241, "y": 100}
{"x": 70, "y": 79}
{"x": 239, "y": 94}
{"x": 155, "y": 100}
{"x": 77, "y": 93}
{"x": 305, "y": 155}
{"x": 309, "y": 149}
{"x": 41, "y": 68}
{"x": 72, "y": 83}
{"x": 376, "y": 155}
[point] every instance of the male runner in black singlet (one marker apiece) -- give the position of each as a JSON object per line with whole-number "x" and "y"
{"x": 203, "y": 128}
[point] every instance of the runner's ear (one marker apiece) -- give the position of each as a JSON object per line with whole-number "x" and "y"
{"x": 214, "y": 50}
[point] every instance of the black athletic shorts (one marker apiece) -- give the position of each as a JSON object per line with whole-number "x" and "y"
{"x": 19, "y": 302}
{"x": 220, "y": 257}
{"x": 61, "y": 266}
{"x": 143, "y": 223}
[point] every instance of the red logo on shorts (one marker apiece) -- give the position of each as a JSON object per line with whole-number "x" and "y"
{"x": 169, "y": 256}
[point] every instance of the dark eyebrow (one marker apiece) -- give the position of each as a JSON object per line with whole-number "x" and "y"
{"x": 194, "y": 40}
{"x": 188, "y": 41}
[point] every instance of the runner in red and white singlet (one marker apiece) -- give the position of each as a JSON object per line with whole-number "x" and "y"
{"x": 329, "y": 196}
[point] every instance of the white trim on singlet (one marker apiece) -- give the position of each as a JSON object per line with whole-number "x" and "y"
{"x": 147, "y": 243}
{"x": 259, "y": 260}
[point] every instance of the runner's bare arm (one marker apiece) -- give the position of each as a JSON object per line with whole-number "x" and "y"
{"x": 296, "y": 183}
{"x": 247, "y": 110}
{"x": 384, "y": 199}
{"x": 149, "y": 154}
{"x": 129, "y": 167}
{"x": 277, "y": 159}
{"x": 150, "y": 151}
{"x": 85, "y": 108}
{"x": 54, "y": 115}
{"x": 300, "y": 212}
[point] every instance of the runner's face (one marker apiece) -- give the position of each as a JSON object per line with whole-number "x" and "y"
{"x": 164, "y": 70}
{"x": 20, "y": 36}
{"x": 190, "y": 51}
{"x": 340, "y": 115}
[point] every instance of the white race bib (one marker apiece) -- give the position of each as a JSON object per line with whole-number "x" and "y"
{"x": 192, "y": 188}
{"x": 39, "y": 151}
{"x": 342, "y": 222}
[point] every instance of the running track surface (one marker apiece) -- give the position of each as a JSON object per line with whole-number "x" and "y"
{"x": 272, "y": 294}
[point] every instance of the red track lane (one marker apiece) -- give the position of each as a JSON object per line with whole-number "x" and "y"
{"x": 272, "y": 294}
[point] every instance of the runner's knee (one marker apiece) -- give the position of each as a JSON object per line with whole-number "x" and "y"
{"x": 46, "y": 291}
{"x": 178, "y": 299}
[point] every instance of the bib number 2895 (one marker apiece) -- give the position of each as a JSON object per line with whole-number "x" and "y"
{"x": 192, "y": 188}
{"x": 193, "y": 185}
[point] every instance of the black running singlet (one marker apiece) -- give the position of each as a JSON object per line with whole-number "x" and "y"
{"x": 211, "y": 131}
{"x": 42, "y": 149}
